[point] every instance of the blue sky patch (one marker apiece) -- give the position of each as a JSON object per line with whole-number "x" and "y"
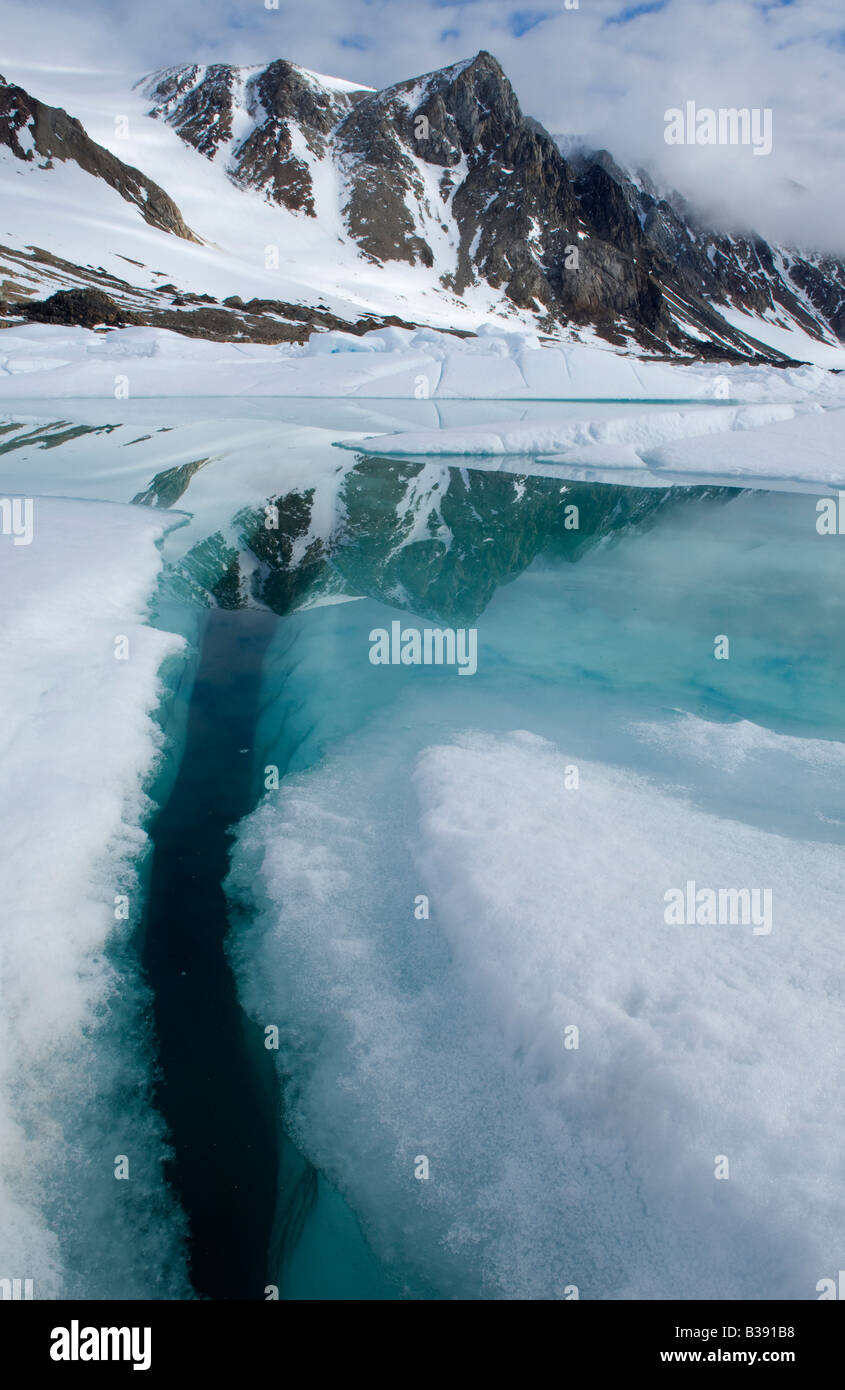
{"x": 632, "y": 12}
{"x": 522, "y": 21}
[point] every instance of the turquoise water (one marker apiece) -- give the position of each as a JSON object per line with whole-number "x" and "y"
{"x": 583, "y": 647}
{"x": 601, "y": 641}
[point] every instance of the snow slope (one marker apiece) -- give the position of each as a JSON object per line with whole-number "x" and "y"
{"x": 67, "y": 208}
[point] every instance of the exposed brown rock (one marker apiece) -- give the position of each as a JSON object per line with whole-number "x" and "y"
{"x": 84, "y": 308}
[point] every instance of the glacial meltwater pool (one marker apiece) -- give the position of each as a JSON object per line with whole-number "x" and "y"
{"x": 456, "y": 986}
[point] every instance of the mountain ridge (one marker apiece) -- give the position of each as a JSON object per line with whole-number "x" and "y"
{"x": 52, "y": 134}
{"x": 445, "y": 175}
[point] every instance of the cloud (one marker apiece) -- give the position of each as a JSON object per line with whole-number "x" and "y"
{"x": 607, "y": 69}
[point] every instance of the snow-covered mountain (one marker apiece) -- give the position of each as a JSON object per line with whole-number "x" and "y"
{"x": 308, "y": 202}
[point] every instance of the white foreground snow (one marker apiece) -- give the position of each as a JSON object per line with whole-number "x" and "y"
{"x": 77, "y": 741}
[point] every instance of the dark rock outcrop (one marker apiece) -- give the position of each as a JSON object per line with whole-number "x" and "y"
{"x": 82, "y": 307}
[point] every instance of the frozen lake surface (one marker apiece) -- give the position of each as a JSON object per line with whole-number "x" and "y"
{"x": 414, "y": 1012}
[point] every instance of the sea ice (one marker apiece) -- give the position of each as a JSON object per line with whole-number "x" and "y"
{"x": 78, "y": 742}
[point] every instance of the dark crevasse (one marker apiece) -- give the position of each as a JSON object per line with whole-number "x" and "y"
{"x": 258, "y": 1213}
{"x": 217, "y": 1088}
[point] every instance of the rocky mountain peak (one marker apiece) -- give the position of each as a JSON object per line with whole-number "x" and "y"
{"x": 479, "y": 99}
